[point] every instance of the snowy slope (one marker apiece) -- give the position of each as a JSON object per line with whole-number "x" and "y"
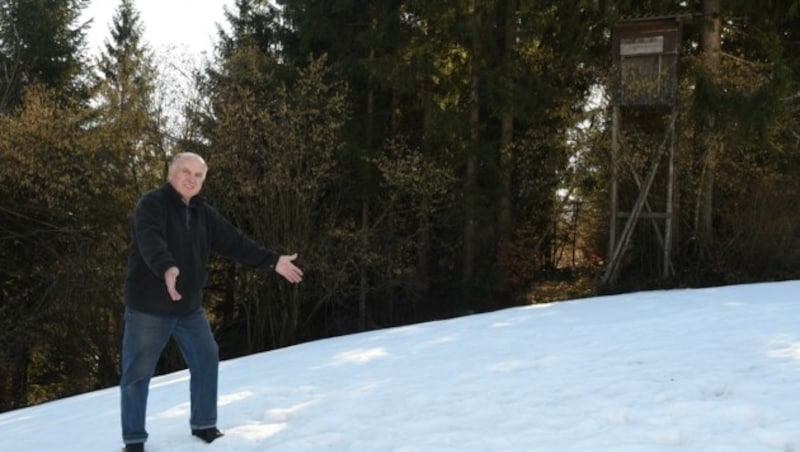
{"x": 707, "y": 370}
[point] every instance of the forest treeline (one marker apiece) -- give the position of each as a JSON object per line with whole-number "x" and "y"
{"x": 425, "y": 158}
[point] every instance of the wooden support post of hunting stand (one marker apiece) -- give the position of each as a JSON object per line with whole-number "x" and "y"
{"x": 617, "y": 245}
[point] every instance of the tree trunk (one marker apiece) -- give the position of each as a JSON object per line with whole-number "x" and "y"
{"x": 507, "y": 125}
{"x": 19, "y": 378}
{"x": 706, "y": 144}
{"x": 424, "y": 243}
{"x": 363, "y": 280}
{"x": 470, "y": 175}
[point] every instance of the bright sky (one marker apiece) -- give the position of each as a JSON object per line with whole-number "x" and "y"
{"x": 179, "y": 23}
{"x": 705, "y": 370}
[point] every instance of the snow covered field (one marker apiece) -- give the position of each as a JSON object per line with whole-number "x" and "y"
{"x": 707, "y": 370}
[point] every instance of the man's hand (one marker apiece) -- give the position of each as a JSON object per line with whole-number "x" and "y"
{"x": 170, "y": 277}
{"x": 287, "y": 269}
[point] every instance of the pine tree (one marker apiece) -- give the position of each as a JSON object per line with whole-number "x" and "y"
{"x": 126, "y": 108}
{"x": 41, "y": 42}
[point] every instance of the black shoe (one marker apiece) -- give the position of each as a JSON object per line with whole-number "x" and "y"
{"x": 134, "y": 447}
{"x": 207, "y": 434}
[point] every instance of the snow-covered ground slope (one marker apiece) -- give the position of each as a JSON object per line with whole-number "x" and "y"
{"x": 707, "y": 370}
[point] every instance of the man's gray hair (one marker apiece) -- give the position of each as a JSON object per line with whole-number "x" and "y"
{"x": 181, "y": 155}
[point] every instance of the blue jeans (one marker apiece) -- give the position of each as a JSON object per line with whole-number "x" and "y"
{"x": 143, "y": 341}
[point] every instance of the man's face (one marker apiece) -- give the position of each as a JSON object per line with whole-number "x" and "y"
{"x": 187, "y": 176}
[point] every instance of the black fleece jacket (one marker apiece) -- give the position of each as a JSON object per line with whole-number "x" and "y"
{"x": 162, "y": 238}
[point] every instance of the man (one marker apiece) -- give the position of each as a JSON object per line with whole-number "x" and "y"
{"x": 174, "y": 232}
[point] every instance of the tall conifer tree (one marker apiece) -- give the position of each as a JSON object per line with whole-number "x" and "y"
{"x": 41, "y": 42}
{"x": 127, "y": 109}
